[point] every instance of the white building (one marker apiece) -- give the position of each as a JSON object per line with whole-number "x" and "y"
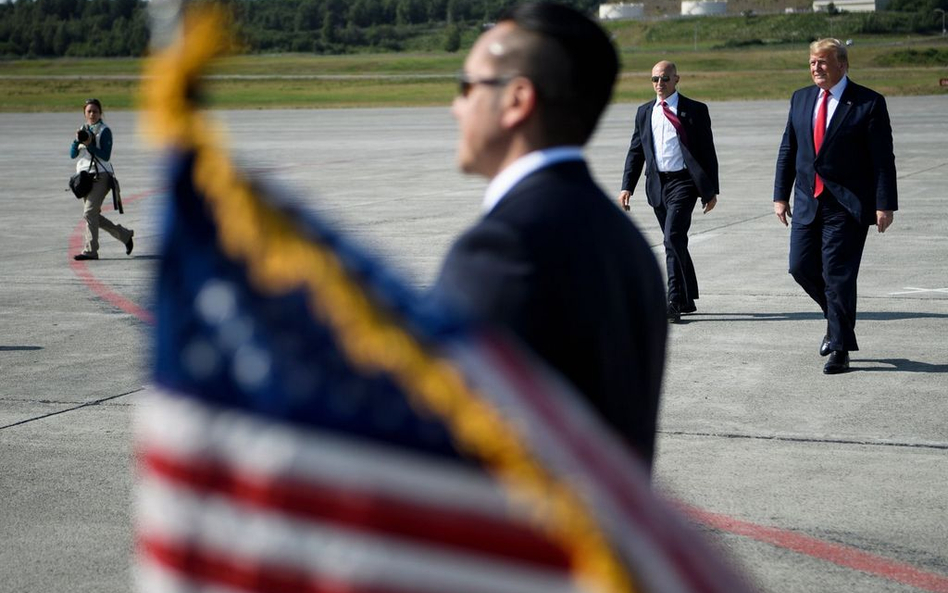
{"x": 703, "y": 7}
{"x": 851, "y": 5}
{"x": 621, "y": 11}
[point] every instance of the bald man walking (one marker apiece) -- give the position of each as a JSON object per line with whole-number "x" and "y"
{"x": 672, "y": 141}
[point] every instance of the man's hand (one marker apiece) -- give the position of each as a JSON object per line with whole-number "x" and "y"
{"x": 782, "y": 210}
{"x": 624, "y": 197}
{"x": 709, "y": 205}
{"x": 884, "y": 219}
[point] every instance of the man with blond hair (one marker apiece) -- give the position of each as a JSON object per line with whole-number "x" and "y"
{"x": 836, "y": 160}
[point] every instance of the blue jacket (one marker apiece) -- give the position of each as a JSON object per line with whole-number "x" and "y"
{"x": 561, "y": 267}
{"x": 700, "y": 157}
{"x": 856, "y": 161}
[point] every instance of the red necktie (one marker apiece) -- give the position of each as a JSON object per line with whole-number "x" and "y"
{"x": 819, "y": 131}
{"x": 676, "y": 123}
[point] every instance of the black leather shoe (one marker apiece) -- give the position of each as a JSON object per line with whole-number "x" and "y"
{"x": 674, "y": 313}
{"x": 85, "y": 256}
{"x": 838, "y": 362}
{"x": 130, "y": 244}
{"x": 689, "y": 308}
{"x": 825, "y": 346}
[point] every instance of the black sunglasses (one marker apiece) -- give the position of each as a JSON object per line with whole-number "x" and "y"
{"x": 664, "y": 78}
{"x": 466, "y": 83}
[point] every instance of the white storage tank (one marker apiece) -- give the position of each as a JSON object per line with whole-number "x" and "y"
{"x": 618, "y": 12}
{"x": 851, "y": 5}
{"x": 703, "y": 7}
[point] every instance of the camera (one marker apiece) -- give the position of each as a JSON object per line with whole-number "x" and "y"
{"x": 82, "y": 135}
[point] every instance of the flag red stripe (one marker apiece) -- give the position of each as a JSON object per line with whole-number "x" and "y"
{"x": 366, "y": 511}
{"x": 204, "y": 566}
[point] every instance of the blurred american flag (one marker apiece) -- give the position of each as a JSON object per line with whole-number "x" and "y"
{"x": 284, "y": 451}
{"x": 319, "y": 427}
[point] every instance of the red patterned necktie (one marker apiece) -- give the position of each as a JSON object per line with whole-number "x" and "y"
{"x": 819, "y": 131}
{"x": 676, "y": 123}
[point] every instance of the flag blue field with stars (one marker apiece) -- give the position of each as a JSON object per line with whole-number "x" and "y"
{"x": 318, "y": 427}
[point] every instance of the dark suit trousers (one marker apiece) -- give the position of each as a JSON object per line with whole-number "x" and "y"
{"x": 679, "y": 196}
{"x": 824, "y": 260}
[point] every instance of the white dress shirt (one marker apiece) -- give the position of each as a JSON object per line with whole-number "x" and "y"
{"x": 501, "y": 184}
{"x": 835, "y": 93}
{"x": 668, "y": 155}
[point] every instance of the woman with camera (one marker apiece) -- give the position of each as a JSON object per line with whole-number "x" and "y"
{"x": 93, "y": 147}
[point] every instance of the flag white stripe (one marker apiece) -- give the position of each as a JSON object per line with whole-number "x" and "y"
{"x": 186, "y": 429}
{"x": 652, "y": 565}
{"x": 243, "y": 534}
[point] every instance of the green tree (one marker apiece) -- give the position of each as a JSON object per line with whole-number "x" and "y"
{"x": 309, "y": 15}
{"x": 452, "y": 38}
{"x": 365, "y": 13}
{"x": 61, "y": 40}
{"x": 437, "y": 10}
{"x": 409, "y": 12}
{"x": 333, "y": 20}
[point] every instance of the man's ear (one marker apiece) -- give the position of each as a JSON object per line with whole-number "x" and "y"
{"x": 519, "y": 102}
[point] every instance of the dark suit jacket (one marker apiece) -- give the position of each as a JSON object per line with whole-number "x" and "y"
{"x": 562, "y": 267}
{"x": 700, "y": 156}
{"x": 856, "y": 160}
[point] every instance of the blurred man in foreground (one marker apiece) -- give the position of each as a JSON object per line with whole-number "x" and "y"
{"x": 553, "y": 260}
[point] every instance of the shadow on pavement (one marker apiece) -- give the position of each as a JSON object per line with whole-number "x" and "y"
{"x": 903, "y": 365}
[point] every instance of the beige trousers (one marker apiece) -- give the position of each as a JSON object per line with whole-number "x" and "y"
{"x": 91, "y": 212}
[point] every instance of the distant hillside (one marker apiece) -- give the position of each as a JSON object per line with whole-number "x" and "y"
{"x": 95, "y": 28}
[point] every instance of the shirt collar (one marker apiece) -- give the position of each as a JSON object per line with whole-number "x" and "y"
{"x": 501, "y": 184}
{"x": 837, "y": 91}
{"x": 672, "y": 100}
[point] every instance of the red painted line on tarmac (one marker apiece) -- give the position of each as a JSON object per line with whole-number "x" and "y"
{"x": 841, "y": 555}
{"x": 105, "y": 292}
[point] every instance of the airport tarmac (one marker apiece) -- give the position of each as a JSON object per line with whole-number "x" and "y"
{"x": 809, "y": 482}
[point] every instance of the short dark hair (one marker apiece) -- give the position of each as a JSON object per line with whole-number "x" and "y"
{"x": 93, "y": 102}
{"x": 571, "y": 62}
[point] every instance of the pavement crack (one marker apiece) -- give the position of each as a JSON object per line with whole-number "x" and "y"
{"x": 803, "y": 439}
{"x": 920, "y": 171}
{"x": 73, "y": 409}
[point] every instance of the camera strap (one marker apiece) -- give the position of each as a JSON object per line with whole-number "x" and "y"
{"x": 113, "y": 186}
{"x": 94, "y": 163}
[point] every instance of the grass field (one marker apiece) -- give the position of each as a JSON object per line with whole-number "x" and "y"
{"x": 710, "y": 66}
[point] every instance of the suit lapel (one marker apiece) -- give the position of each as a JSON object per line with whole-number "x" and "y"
{"x": 808, "y": 115}
{"x": 842, "y": 111}
{"x": 686, "y": 117}
{"x": 647, "y": 130}
{"x": 684, "y": 109}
